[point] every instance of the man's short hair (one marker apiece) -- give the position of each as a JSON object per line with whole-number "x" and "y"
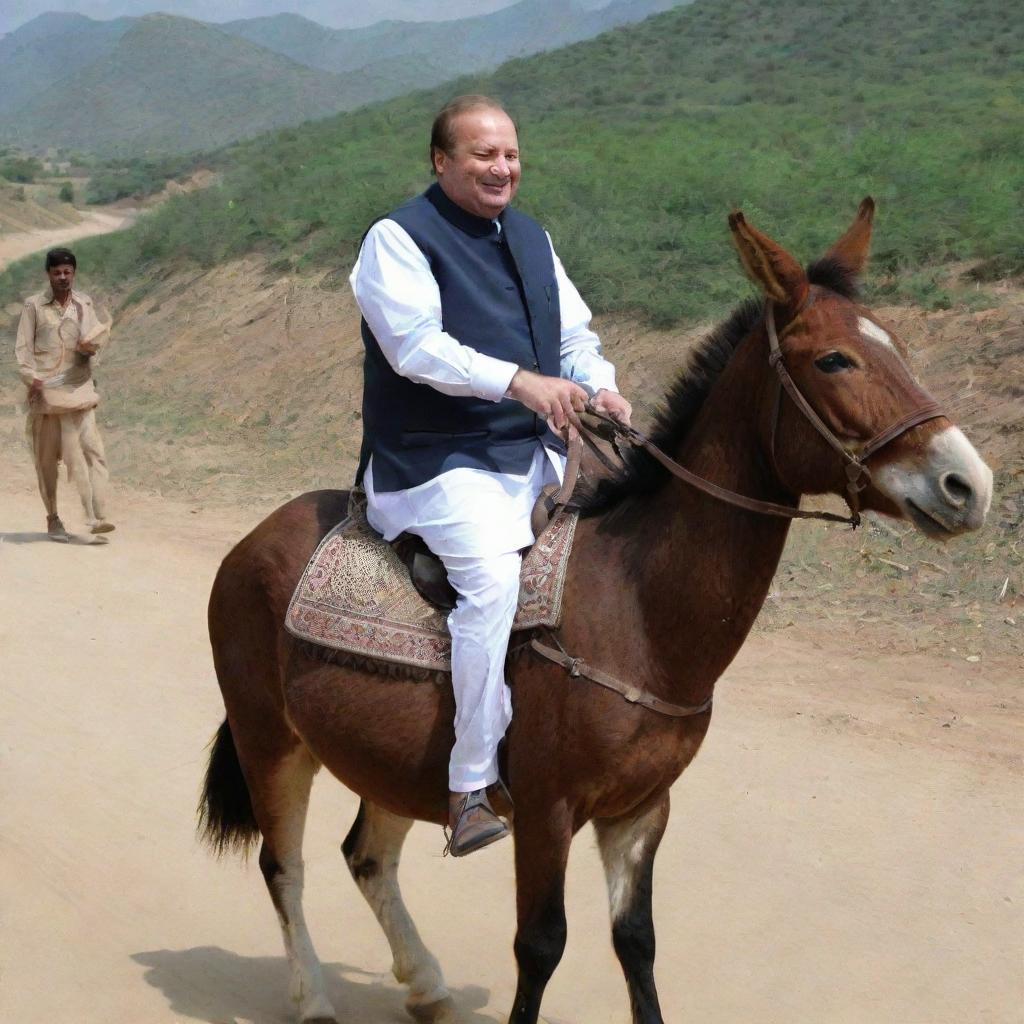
{"x": 58, "y": 257}
{"x": 442, "y": 133}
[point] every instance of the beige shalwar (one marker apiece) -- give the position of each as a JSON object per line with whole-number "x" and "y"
{"x": 62, "y": 420}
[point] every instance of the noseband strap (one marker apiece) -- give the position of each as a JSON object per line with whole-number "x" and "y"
{"x": 930, "y": 410}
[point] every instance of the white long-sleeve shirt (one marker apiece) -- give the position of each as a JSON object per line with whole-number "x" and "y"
{"x": 398, "y": 296}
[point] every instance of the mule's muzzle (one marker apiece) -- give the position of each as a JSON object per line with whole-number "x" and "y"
{"x": 950, "y": 504}
{"x": 948, "y": 493}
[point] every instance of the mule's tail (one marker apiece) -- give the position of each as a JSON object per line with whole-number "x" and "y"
{"x": 226, "y": 819}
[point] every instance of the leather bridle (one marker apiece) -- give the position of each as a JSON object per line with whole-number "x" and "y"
{"x": 858, "y": 476}
{"x": 857, "y": 473}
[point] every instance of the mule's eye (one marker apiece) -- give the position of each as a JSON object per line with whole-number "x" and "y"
{"x": 833, "y": 363}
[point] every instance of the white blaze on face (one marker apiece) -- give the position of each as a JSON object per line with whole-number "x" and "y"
{"x": 870, "y": 330}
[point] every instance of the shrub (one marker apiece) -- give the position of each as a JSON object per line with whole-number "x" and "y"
{"x": 20, "y": 168}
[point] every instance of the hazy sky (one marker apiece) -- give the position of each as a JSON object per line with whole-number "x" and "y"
{"x": 336, "y": 13}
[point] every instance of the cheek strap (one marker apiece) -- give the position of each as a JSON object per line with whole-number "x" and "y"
{"x": 857, "y": 474}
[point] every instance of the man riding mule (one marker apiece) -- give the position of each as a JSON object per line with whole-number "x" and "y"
{"x": 664, "y": 583}
{"x": 475, "y": 339}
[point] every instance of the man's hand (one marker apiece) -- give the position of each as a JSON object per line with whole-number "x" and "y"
{"x": 556, "y": 399}
{"x": 87, "y": 348}
{"x": 611, "y": 403}
{"x": 35, "y": 390}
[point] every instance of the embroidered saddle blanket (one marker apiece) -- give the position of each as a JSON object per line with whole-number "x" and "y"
{"x": 356, "y": 595}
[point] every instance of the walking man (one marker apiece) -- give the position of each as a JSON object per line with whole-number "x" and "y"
{"x": 58, "y": 337}
{"x": 476, "y": 345}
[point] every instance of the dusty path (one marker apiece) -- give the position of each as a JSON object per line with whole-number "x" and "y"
{"x": 96, "y": 222}
{"x": 841, "y": 851}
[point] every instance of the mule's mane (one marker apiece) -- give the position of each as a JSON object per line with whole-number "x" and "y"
{"x": 641, "y": 474}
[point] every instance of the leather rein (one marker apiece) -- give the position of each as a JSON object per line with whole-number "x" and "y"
{"x": 858, "y": 477}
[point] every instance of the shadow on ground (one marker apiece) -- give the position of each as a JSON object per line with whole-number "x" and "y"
{"x": 211, "y": 984}
{"x": 85, "y": 540}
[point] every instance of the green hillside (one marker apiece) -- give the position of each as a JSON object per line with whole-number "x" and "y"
{"x": 638, "y": 143}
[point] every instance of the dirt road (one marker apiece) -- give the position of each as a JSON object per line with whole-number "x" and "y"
{"x": 96, "y": 222}
{"x": 841, "y": 851}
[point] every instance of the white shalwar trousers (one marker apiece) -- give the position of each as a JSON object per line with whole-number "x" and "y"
{"x": 477, "y": 523}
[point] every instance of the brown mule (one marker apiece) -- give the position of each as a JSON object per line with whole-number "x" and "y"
{"x": 664, "y": 584}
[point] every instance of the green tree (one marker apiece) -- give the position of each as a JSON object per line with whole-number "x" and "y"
{"x": 20, "y": 168}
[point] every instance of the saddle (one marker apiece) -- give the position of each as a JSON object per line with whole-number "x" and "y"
{"x": 362, "y": 596}
{"x": 427, "y": 571}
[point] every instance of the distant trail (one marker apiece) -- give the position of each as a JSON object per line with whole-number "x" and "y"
{"x": 24, "y": 243}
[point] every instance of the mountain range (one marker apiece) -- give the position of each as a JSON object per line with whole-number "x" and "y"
{"x": 161, "y": 83}
{"x": 333, "y": 13}
{"x": 470, "y": 44}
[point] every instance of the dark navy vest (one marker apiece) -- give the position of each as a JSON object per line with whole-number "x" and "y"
{"x": 498, "y": 296}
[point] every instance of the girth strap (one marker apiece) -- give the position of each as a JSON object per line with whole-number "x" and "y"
{"x": 577, "y": 667}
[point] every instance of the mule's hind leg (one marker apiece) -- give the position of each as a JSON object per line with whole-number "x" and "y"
{"x": 372, "y": 851}
{"x": 280, "y": 801}
{"x": 628, "y": 846}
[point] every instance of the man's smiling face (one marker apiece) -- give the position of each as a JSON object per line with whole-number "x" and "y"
{"x": 481, "y": 173}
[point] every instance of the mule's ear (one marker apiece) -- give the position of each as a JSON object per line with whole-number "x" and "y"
{"x": 767, "y": 264}
{"x": 852, "y": 249}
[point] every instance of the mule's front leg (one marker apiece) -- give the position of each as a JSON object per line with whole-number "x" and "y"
{"x": 542, "y": 849}
{"x": 628, "y": 846}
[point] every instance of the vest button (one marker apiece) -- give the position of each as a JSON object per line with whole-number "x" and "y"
{"x": 536, "y": 365}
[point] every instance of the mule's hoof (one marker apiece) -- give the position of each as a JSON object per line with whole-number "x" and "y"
{"x": 441, "y": 1011}
{"x": 320, "y": 1015}
{"x": 314, "y": 1008}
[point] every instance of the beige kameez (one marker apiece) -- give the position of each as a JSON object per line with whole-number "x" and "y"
{"x": 61, "y": 422}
